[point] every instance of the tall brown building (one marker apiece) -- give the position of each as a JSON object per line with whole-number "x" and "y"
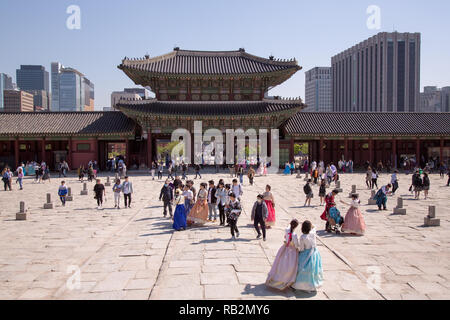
{"x": 18, "y": 101}
{"x": 380, "y": 74}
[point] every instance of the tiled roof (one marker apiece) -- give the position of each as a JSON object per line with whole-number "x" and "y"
{"x": 365, "y": 123}
{"x": 208, "y": 63}
{"x": 210, "y": 108}
{"x": 65, "y": 123}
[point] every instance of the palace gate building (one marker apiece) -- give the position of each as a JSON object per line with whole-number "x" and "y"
{"x": 224, "y": 90}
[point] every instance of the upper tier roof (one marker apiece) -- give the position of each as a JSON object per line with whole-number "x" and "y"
{"x": 184, "y": 62}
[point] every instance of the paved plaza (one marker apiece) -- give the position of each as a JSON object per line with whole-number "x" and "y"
{"x": 135, "y": 254}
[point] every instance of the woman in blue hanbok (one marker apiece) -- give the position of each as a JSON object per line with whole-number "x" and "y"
{"x": 381, "y": 196}
{"x": 309, "y": 271}
{"x": 287, "y": 169}
{"x": 179, "y": 217}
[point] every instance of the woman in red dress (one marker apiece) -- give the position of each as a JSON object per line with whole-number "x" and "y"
{"x": 270, "y": 202}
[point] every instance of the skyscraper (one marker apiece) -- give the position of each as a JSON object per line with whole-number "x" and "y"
{"x": 434, "y": 99}
{"x": 381, "y": 73}
{"x": 5, "y": 84}
{"x": 318, "y": 90}
{"x": 35, "y": 80}
{"x": 71, "y": 90}
{"x": 18, "y": 101}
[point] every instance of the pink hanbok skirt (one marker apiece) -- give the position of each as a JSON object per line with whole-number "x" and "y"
{"x": 354, "y": 222}
{"x": 284, "y": 268}
{"x": 271, "y": 218}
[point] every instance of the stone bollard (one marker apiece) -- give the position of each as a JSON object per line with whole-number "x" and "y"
{"x": 372, "y": 201}
{"x": 69, "y": 196}
{"x": 430, "y": 220}
{"x": 84, "y": 192}
{"x": 108, "y": 183}
{"x": 49, "y": 204}
{"x": 399, "y": 208}
{"x": 22, "y": 214}
{"x": 306, "y": 177}
{"x": 338, "y": 186}
{"x": 353, "y": 192}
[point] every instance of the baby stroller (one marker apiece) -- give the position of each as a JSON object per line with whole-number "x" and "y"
{"x": 335, "y": 221}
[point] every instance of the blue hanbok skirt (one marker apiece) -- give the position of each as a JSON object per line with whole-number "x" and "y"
{"x": 309, "y": 272}
{"x": 287, "y": 170}
{"x": 381, "y": 199}
{"x": 179, "y": 217}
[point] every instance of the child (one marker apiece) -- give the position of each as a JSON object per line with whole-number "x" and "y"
{"x": 354, "y": 221}
{"x": 234, "y": 211}
{"x": 322, "y": 191}
{"x": 308, "y": 192}
{"x": 117, "y": 189}
{"x": 62, "y": 193}
{"x": 99, "y": 190}
{"x": 259, "y": 216}
{"x": 284, "y": 268}
{"x": 309, "y": 270}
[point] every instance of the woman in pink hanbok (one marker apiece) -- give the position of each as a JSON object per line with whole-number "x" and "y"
{"x": 270, "y": 202}
{"x": 265, "y": 169}
{"x": 284, "y": 268}
{"x": 354, "y": 220}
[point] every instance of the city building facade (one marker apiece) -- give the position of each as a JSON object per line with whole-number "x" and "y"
{"x": 380, "y": 74}
{"x": 319, "y": 90}
{"x": 5, "y": 84}
{"x": 434, "y": 99}
{"x": 18, "y": 101}
{"x": 117, "y": 96}
{"x": 35, "y": 80}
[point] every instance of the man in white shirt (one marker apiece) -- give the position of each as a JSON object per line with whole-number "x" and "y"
{"x": 127, "y": 188}
{"x": 236, "y": 188}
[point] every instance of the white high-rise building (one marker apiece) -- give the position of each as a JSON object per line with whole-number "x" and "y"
{"x": 318, "y": 90}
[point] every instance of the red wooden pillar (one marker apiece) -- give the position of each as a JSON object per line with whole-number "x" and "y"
{"x": 321, "y": 149}
{"x": 127, "y": 152}
{"x": 394, "y": 152}
{"x": 291, "y": 150}
{"x": 69, "y": 154}
{"x": 192, "y": 147}
{"x": 418, "y": 151}
{"x": 43, "y": 150}
{"x": 441, "y": 150}
{"x": 149, "y": 148}
{"x": 16, "y": 152}
{"x": 346, "y": 149}
{"x": 370, "y": 151}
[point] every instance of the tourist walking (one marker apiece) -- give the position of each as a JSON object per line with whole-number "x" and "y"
{"x": 241, "y": 174}
{"x": 394, "y": 181}
{"x": 309, "y": 270}
{"x": 62, "y": 193}
{"x": 6, "y": 177}
{"x": 212, "y": 201}
{"x": 20, "y": 175}
{"x": 127, "y": 187}
{"x": 426, "y": 184}
{"x": 236, "y": 188}
{"x": 284, "y": 268}
{"x": 153, "y": 169}
{"x": 308, "y": 192}
{"x": 117, "y": 189}
{"x": 374, "y": 179}
{"x": 287, "y": 169}
{"x": 259, "y": 215}
{"x": 179, "y": 217}
{"x": 170, "y": 171}
{"x": 99, "y": 191}
{"x": 234, "y": 211}
{"x": 329, "y": 203}
{"x": 270, "y": 203}
{"x": 222, "y": 196}
{"x": 381, "y": 196}
{"x": 184, "y": 169}
{"x": 322, "y": 191}
{"x": 197, "y": 171}
{"x": 417, "y": 184}
{"x": 199, "y": 212}
{"x": 251, "y": 175}
{"x": 166, "y": 195}
{"x": 354, "y": 220}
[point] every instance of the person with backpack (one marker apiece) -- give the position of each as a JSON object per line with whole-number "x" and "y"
{"x": 166, "y": 195}
{"x": 259, "y": 215}
{"x": 308, "y": 192}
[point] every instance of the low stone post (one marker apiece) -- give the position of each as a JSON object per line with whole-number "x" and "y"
{"x": 84, "y": 192}
{"x": 49, "y": 204}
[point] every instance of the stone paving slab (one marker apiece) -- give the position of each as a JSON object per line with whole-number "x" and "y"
{"x": 134, "y": 253}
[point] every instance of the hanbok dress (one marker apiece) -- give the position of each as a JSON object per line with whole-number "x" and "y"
{"x": 260, "y": 170}
{"x": 269, "y": 200}
{"x": 265, "y": 169}
{"x": 287, "y": 169}
{"x": 309, "y": 270}
{"x": 188, "y": 203}
{"x": 199, "y": 212}
{"x": 381, "y": 197}
{"x": 179, "y": 217}
{"x": 284, "y": 268}
{"x": 354, "y": 220}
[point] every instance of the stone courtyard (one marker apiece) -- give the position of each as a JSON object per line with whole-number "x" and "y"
{"x": 135, "y": 254}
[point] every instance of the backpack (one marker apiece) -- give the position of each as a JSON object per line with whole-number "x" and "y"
{"x": 307, "y": 189}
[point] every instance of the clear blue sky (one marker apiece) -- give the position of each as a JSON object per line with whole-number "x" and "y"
{"x": 34, "y": 32}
